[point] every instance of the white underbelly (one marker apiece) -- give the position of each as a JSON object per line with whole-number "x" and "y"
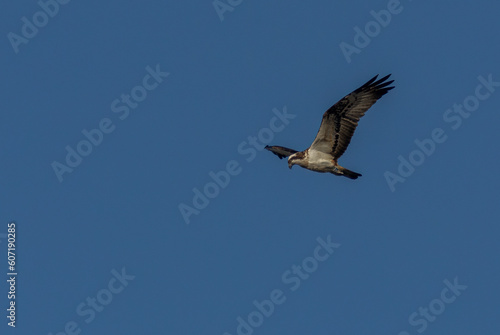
{"x": 320, "y": 161}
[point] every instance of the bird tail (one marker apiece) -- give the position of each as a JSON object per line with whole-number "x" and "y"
{"x": 349, "y": 174}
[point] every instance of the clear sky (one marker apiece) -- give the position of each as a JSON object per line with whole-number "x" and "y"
{"x": 132, "y": 166}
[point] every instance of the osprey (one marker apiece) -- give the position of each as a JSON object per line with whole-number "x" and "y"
{"x": 336, "y": 130}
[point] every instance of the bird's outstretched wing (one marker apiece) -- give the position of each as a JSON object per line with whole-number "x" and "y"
{"x": 281, "y": 152}
{"x": 340, "y": 121}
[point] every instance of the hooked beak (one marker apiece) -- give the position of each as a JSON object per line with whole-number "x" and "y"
{"x": 290, "y": 166}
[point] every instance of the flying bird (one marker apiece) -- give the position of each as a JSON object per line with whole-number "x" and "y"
{"x": 337, "y": 127}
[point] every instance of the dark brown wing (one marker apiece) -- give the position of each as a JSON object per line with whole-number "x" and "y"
{"x": 281, "y": 152}
{"x": 340, "y": 121}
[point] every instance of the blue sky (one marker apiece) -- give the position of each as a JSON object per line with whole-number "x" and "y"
{"x": 159, "y": 97}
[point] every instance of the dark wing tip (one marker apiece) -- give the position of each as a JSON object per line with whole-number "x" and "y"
{"x": 271, "y": 149}
{"x": 279, "y": 151}
{"x": 369, "y": 82}
{"x": 377, "y": 82}
{"x": 274, "y": 152}
{"x": 385, "y": 78}
{"x": 380, "y": 86}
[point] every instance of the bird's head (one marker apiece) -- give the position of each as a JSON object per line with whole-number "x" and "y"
{"x": 291, "y": 161}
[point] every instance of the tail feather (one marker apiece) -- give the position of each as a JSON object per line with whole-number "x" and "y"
{"x": 350, "y": 174}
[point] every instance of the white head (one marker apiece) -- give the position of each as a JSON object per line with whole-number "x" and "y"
{"x": 292, "y": 160}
